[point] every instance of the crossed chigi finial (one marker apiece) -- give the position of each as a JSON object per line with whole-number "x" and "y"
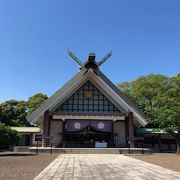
{"x": 91, "y": 58}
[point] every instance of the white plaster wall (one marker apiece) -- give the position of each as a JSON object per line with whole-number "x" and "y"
{"x": 119, "y": 128}
{"x": 55, "y": 130}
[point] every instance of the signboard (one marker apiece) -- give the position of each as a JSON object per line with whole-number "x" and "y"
{"x": 41, "y": 137}
{"x": 100, "y": 145}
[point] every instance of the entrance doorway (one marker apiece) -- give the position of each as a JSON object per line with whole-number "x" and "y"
{"x": 87, "y": 140}
{"x": 88, "y": 133}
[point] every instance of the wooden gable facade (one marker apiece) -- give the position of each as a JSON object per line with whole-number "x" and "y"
{"x": 88, "y": 104}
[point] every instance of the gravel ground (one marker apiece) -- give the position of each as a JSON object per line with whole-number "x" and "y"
{"x": 166, "y": 160}
{"x": 23, "y": 167}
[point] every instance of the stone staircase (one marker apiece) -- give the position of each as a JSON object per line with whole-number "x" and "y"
{"x": 90, "y": 150}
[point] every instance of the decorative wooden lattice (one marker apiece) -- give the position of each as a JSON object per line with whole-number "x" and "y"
{"x": 88, "y": 99}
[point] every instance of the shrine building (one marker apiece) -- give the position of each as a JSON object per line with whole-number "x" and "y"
{"x": 88, "y": 111}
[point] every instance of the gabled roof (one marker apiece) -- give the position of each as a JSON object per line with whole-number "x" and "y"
{"x": 101, "y": 82}
{"x": 132, "y": 105}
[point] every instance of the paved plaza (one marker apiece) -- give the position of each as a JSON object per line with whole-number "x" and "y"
{"x": 104, "y": 166}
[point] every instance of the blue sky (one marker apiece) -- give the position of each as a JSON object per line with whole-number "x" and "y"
{"x": 144, "y": 36}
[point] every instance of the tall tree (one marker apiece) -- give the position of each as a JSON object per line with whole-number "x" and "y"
{"x": 35, "y": 101}
{"x": 13, "y": 113}
{"x": 159, "y": 97}
{"x": 8, "y": 137}
{"x": 148, "y": 92}
{"x": 169, "y": 115}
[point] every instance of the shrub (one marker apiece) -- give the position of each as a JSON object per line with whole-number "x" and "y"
{"x": 8, "y": 137}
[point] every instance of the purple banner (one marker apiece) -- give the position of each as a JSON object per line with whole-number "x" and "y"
{"x": 95, "y": 125}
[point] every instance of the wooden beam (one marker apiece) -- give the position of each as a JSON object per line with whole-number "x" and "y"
{"x": 46, "y": 128}
{"x": 131, "y": 125}
{"x": 46, "y": 123}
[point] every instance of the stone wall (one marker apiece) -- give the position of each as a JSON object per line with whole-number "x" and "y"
{"x": 119, "y": 129}
{"x": 56, "y": 131}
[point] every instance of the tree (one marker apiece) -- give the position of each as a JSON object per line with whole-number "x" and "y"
{"x": 159, "y": 97}
{"x": 169, "y": 115}
{"x": 169, "y": 121}
{"x": 8, "y": 137}
{"x": 148, "y": 92}
{"x": 13, "y": 113}
{"x": 35, "y": 101}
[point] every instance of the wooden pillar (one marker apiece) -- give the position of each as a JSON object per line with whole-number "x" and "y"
{"x": 46, "y": 127}
{"x": 126, "y": 129}
{"x": 131, "y": 127}
{"x": 31, "y": 139}
{"x": 63, "y": 136}
{"x": 169, "y": 146}
{"x": 159, "y": 143}
{"x": 112, "y": 136}
{"x": 152, "y": 140}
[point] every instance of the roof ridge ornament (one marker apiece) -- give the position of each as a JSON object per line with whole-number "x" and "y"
{"x": 91, "y": 62}
{"x": 108, "y": 55}
{"x": 75, "y": 58}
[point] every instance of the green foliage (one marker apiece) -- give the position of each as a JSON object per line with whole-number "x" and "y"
{"x": 159, "y": 97}
{"x": 35, "y": 101}
{"x": 169, "y": 119}
{"x": 8, "y": 137}
{"x": 154, "y": 94}
{"x": 13, "y": 112}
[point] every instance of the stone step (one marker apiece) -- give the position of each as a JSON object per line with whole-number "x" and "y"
{"x": 90, "y": 150}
